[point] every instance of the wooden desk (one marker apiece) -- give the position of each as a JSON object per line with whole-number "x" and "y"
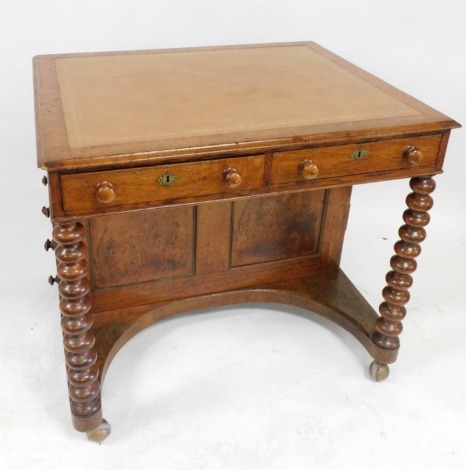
{"x": 186, "y": 179}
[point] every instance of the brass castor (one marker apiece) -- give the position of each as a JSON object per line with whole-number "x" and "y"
{"x": 101, "y": 432}
{"x": 379, "y": 371}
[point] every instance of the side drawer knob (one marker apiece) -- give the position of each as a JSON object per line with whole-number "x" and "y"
{"x": 232, "y": 177}
{"x": 105, "y": 192}
{"x": 412, "y": 154}
{"x": 46, "y": 211}
{"x": 308, "y": 170}
{"x": 50, "y": 244}
{"x": 44, "y": 180}
{"x": 53, "y": 279}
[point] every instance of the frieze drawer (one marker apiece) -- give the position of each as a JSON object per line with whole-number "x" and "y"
{"x": 354, "y": 159}
{"x": 86, "y": 192}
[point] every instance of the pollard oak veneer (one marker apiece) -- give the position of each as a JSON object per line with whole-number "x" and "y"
{"x": 192, "y": 178}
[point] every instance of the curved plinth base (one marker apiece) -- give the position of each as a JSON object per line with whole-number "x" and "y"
{"x": 331, "y": 295}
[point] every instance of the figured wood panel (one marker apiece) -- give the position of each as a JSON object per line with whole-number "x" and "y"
{"x": 276, "y": 227}
{"x": 213, "y": 274}
{"x": 214, "y": 278}
{"x": 142, "y": 246}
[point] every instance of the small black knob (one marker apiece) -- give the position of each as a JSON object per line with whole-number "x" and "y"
{"x": 44, "y": 181}
{"x": 50, "y": 244}
{"x": 53, "y": 280}
{"x": 46, "y": 211}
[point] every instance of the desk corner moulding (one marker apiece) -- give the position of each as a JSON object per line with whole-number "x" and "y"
{"x": 187, "y": 179}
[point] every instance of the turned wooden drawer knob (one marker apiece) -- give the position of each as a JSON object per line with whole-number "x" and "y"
{"x": 232, "y": 177}
{"x": 412, "y": 154}
{"x": 308, "y": 170}
{"x": 105, "y": 193}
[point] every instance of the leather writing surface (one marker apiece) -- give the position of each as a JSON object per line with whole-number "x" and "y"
{"x": 115, "y": 99}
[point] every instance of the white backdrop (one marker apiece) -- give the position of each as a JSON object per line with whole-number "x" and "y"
{"x": 252, "y": 388}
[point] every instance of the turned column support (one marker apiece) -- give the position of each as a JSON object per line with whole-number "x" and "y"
{"x": 78, "y": 336}
{"x": 388, "y": 327}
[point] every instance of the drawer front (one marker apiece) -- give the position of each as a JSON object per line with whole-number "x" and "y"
{"x": 354, "y": 159}
{"x": 87, "y": 192}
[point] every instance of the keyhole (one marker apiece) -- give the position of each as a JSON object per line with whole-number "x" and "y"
{"x": 167, "y": 179}
{"x": 359, "y": 154}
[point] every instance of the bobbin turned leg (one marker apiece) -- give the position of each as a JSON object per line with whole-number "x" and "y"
{"x": 78, "y": 337}
{"x": 388, "y": 327}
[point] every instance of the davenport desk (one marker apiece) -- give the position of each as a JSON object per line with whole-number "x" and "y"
{"x": 193, "y": 178}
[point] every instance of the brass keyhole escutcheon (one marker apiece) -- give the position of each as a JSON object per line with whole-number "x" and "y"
{"x": 359, "y": 154}
{"x": 167, "y": 179}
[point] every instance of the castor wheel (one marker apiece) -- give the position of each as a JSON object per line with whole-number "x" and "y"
{"x": 101, "y": 432}
{"x": 379, "y": 371}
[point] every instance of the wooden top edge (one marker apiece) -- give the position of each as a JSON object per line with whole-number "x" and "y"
{"x": 41, "y": 57}
{"x": 253, "y": 147}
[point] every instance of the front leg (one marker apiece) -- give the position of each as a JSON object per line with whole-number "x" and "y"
{"x": 78, "y": 336}
{"x": 388, "y": 327}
